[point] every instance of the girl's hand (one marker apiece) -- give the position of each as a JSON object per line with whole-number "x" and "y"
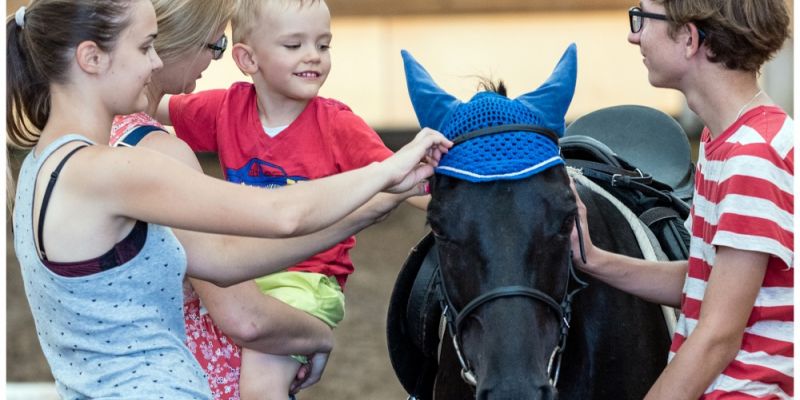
{"x": 416, "y": 160}
{"x": 382, "y": 204}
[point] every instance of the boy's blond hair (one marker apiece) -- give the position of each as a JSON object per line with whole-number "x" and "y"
{"x": 247, "y": 13}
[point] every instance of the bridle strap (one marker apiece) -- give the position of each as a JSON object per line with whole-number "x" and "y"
{"x": 506, "y": 291}
{"x": 492, "y": 130}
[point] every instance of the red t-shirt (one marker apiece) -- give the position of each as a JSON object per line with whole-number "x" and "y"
{"x": 744, "y": 199}
{"x": 326, "y": 138}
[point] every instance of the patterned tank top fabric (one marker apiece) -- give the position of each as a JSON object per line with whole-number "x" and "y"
{"x": 117, "y": 333}
{"x": 121, "y": 253}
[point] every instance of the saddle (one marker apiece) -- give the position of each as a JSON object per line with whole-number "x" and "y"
{"x": 642, "y": 157}
{"x": 640, "y": 136}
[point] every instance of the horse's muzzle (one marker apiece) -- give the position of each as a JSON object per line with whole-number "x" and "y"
{"x": 537, "y": 392}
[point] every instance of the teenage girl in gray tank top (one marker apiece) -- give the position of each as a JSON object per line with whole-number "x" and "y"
{"x": 102, "y": 271}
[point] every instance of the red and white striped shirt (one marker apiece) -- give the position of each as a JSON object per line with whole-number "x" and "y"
{"x": 744, "y": 199}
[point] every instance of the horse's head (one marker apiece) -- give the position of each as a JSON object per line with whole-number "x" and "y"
{"x": 502, "y": 212}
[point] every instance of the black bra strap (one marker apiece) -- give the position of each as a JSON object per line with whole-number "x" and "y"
{"x": 46, "y": 199}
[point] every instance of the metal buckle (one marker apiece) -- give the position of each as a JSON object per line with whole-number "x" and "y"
{"x": 615, "y": 178}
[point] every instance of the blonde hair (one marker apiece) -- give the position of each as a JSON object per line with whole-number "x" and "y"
{"x": 247, "y": 13}
{"x": 185, "y": 25}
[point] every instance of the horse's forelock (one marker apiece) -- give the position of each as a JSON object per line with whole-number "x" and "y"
{"x": 488, "y": 85}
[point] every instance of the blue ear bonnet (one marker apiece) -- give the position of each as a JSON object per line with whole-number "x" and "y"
{"x": 510, "y": 155}
{"x": 504, "y": 156}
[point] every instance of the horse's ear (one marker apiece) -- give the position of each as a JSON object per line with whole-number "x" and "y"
{"x": 552, "y": 99}
{"x": 431, "y": 104}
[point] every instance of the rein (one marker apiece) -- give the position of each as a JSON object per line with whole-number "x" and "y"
{"x": 453, "y": 319}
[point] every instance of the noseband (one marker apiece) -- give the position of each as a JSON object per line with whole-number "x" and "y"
{"x": 453, "y": 319}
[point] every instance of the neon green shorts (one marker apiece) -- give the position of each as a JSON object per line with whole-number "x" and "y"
{"x": 316, "y": 294}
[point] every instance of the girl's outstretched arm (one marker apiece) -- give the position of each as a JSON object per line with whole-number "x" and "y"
{"x": 142, "y": 184}
{"x": 226, "y": 260}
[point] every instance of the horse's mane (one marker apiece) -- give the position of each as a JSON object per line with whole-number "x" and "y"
{"x": 487, "y": 85}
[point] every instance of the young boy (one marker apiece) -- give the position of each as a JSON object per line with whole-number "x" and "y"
{"x": 277, "y": 131}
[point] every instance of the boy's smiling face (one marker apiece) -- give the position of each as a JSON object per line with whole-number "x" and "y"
{"x": 291, "y": 47}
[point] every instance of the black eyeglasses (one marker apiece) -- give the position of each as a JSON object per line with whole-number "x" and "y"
{"x": 218, "y": 48}
{"x": 637, "y": 16}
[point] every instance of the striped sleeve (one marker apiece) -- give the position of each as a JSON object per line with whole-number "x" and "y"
{"x": 755, "y": 207}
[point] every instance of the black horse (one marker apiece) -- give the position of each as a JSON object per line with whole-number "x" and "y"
{"x": 518, "y": 321}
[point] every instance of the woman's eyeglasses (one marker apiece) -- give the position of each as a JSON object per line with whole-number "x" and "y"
{"x": 637, "y": 16}
{"x": 219, "y": 47}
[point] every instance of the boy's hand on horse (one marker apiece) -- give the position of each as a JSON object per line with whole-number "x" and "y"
{"x": 588, "y": 246}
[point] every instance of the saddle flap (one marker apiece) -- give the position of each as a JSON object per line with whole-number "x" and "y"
{"x": 414, "y": 365}
{"x": 646, "y": 138}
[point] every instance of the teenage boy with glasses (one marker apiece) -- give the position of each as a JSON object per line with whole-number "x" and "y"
{"x": 734, "y": 337}
{"x": 636, "y": 17}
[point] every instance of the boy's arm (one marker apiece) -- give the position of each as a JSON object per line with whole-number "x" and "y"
{"x": 659, "y": 282}
{"x": 162, "y": 112}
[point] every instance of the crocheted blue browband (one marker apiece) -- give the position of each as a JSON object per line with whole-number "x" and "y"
{"x": 513, "y": 154}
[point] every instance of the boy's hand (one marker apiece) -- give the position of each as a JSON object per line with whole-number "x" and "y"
{"x": 310, "y": 373}
{"x": 588, "y": 246}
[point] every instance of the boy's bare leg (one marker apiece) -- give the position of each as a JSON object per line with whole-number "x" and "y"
{"x": 266, "y": 376}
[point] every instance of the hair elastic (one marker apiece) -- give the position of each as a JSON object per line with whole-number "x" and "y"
{"x": 19, "y": 17}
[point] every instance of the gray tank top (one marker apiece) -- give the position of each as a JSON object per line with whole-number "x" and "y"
{"x": 114, "y": 334}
